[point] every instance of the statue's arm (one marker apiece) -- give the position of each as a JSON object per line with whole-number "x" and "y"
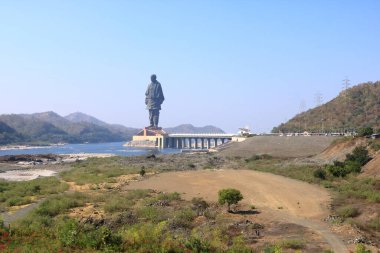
{"x": 162, "y": 98}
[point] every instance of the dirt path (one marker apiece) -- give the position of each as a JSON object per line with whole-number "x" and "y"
{"x": 280, "y": 198}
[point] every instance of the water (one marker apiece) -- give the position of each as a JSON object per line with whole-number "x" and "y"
{"x": 115, "y": 148}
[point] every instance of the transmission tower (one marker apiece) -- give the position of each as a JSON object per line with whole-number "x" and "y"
{"x": 318, "y": 102}
{"x": 346, "y": 85}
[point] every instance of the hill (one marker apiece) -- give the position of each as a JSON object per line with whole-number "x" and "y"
{"x": 354, "y": 108}
{"x": 49, "y": 127}
{"x": 188, "y": 128}
{"x": 79, "y": 117}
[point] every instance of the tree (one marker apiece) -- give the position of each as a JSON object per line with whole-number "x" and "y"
{"x": 229, "y": 196}
{"x": 365, "y": 131}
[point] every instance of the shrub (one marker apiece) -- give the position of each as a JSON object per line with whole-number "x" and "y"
{"x": 347, "y": 212}
{"x": 142, "y": 171}
{"x": 320, "y": 173}
{"x": 359, "y": 155}
{"x": 197, "y": 245}
{"x": 365, "y": 131}
{"x": 293, "y": 244}
{"x": 360, "y": 248}
{"x": 199, "y": 205}
{"x": 273, "y": 249}
{"x": 229, "y": 196}
{"x": 375, "y": 224}
{"x": 183, "y": 219}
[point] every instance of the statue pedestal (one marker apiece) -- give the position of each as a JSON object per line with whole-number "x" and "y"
{"x": 153, "y": 137}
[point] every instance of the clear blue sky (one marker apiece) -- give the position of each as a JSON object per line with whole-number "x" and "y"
{"x": 225, "y": 63}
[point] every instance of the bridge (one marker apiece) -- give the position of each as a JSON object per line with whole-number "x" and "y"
{"x": 195, "y": 141}
{"x": 157, "y": 137}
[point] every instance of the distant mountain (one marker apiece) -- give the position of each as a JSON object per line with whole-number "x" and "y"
{"x": 352, "y": 109}
{"x": 188, "y": 128}
{"x": 82, "y": 117}
{"x": 49, "y": 127}
{"x": 79, "y": 117}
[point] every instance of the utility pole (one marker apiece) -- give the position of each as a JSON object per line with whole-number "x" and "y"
{"x": 346, "y": 85}
{"x": 302, "y": 109}
{"x": 318, "y": 102}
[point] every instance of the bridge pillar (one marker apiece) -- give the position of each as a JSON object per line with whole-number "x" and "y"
{"x": 215, "y": 142}
{"x": 208, "y": 143}
{"x": 190, "y": 140}
{"x": 223, "y": 140}
{"x": 203, "y": 143}
{"x": 196, "y": 143}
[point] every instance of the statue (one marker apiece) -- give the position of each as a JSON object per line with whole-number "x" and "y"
{"x": 153, "y": 100}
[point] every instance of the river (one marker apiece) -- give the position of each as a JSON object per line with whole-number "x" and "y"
{"x": 115, "y": 148}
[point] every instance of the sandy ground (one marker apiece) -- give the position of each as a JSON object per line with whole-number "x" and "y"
{"x": 278, "y": 146}
{"x": 25, "y": 175}
{"x": 278, "y": 198}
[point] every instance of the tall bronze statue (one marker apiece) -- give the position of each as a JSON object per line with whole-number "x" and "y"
{"x": 154, "y": 97}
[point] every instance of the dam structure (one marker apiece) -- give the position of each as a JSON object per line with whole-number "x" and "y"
{"x": 157, "y": 137}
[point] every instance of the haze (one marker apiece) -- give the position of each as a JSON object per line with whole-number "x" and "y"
{"x": 225, "y": 63}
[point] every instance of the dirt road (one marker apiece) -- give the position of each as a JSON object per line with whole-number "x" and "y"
{"x": 279, "y": 197}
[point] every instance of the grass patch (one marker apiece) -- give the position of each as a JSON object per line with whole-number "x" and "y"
{"x": 374, "y": 224}
{"x": 20, "y": 193}
{"x": 98, "y": 170}
{"x": 363, "y": 188}
{"x": 347, "y": 212}
{"x": 117, "y": 203}
{"x": 276, "y": 166}
{"x": 293, "y": 244}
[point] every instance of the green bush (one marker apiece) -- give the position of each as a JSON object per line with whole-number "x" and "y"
{"x": 183, "y": 218}
{"x": 365, "y": 131}
{"x": 198, "y": 245}
{"x": 359, "y": 155}
{"x": 320, "y": 173}
{"x": 347, "y": 212}
{"x": 360, "y": 248}
{"x": 293, "y": 244}
{"x": 352, "y": 164}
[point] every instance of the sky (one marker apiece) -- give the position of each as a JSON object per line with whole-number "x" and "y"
{"x": 225, "y": 63}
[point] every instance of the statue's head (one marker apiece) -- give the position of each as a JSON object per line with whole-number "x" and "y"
{"x": 153, "y": 78}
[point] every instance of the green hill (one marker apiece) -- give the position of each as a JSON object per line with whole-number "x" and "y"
{"x": 354, "y": 108}
{"x": 49, "y": 127}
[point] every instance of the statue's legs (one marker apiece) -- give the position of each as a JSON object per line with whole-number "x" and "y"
{"x": 156, "y": 117}
{"x": 151, "y": 115}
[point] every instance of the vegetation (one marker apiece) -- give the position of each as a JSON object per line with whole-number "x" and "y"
{"x": 355, "y": 108}
{"x": 98, "y": 170}
{"x": 21, "y": 193}
{"x": 365, "y": 131}
{"x": 353, "y": 163}
{"x": 229, "y": 196}
{"x": 145, "y": 221}
{"x": 347, "y": 212}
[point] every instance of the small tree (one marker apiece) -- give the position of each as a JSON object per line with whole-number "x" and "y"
{"x": 142, "y": 171}
{"x": 229, "y": 196}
